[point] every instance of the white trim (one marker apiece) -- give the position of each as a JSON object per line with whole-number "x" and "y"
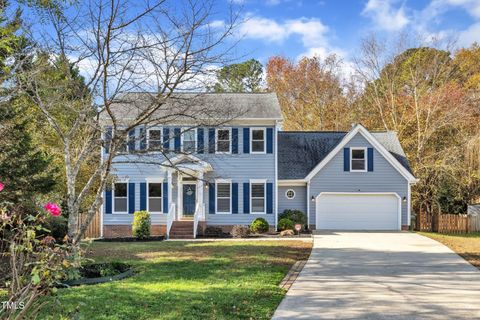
{"x": 292, "y": 183}
{"x": 182, "y": 132}
{"x": 229, "y": 140}
{"x": 286, "y": 194}
{"x": 148, "y": 138}
{"x": 377, "y": 145}
{"x": 276, "y": 175}
{"x": 409, "y": 209}
{"x": 399, "y": 203}
{"x": 222, "y": 181}
{"x": 264, "y": 140}
{"x": 113, "y": 196}
{"x": 365, "y": 160}
{"x": 154, "y": 180}
{"x": 259, "y": 181}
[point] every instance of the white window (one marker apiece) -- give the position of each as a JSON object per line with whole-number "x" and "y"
{"x": 290, "y": 194}
{"x": 189, "y": 140}
{"x": 358, "y": 159}
{"x": 257, "y": 140}
{"x": 154, "y": 197}
{"x": 154, "y": 139}
{"x": 257, "y": 197}
{"x": 223, "y": 140}
{"x": 120, "y": 197}
{"x": 224, "y": 197}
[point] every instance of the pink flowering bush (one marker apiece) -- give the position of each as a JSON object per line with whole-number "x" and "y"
{"x": 2, "y": 186}
{"x": 33, "y": 263}
{"x": 53, "y": 209}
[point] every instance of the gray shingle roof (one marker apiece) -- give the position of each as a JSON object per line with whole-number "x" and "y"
{"x": 200, "y": 106}
{"x": 300, "y": 152}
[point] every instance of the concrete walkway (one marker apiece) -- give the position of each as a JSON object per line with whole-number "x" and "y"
{"x": 397, "y": 275}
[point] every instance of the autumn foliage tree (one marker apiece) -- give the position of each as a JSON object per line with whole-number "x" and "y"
{"x": 310, "y": 92}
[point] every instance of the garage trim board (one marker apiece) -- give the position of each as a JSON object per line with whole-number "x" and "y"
{"x": 346, "y": 225}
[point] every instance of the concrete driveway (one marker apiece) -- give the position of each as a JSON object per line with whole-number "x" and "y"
{"x": 397, "y": 275}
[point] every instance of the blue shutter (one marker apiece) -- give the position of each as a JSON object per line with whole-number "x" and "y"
{"x": 143, "y": 139}
{"x": 211, "y": 198}
{"x": 131, "y": 197}
{"x": 246, "y": 197}
{"x": 235, "y": 140}
{"x": 177, "y": 132}
{"x": 246, "y": 140}
{"x": 269, "y": 197}
{"x": 108, "y": 138}
{"x": 234, "y": 197}
{"x": 165, "y": 197}
{"x": 143, "y": 196}
{"x": 370, "y": 159}
{"x": 346, "y": 159}
{"x": 108, "y": 201}
{"x": 200, "y": 140}
{"x": 166, "y": 139}
{"x": 131, "y": 140}
{"x": 211, "y": 140}
{"x": 269, "y": 140}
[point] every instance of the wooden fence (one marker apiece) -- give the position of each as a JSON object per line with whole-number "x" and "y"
{"x": 93, "y": 230}
{"x": 449, "y": 223}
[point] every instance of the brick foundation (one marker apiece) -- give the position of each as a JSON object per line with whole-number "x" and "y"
{"x": 117, "y": 231}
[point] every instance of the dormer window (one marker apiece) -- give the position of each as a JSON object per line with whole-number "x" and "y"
{"x": 358, "y": 158}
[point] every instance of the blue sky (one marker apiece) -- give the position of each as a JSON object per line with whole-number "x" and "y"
{"x": 295, "y": 28}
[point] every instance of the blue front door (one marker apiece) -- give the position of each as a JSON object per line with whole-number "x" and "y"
{"x": 189, "y": 198}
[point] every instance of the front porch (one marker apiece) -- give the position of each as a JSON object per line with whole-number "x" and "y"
{"x": 187, "y": 209}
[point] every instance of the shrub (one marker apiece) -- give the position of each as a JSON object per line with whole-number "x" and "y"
{"x": 259, "y": 225}
{"x": 296, "y": 216}
{"x": 239, "y": 231}
{"x": 285, "y": 224}
{"x": 57, "y": 226}
{"x": 141, "y": 224}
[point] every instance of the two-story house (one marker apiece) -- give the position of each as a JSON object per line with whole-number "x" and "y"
{"x": 229, "y": 163}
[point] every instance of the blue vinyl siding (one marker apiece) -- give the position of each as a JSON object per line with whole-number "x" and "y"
{"x": 333, "y": 178}
{"x": 299, "y": 202}
{"x": 239, "y": 168}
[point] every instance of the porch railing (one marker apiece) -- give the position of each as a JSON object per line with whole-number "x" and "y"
{"x": 197, "y": 217}
{"x": 170, "y": 218}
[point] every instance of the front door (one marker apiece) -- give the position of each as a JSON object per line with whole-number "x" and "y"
{"x": 189, "y": 198}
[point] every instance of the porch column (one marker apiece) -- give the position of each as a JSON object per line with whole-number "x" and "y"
{"x": 170, "y": 188}
{"x": 179, "y": 195}
{"x": 200, "y": 191}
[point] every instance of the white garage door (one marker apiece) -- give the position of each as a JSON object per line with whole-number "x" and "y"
{"x": 357, "y": 211}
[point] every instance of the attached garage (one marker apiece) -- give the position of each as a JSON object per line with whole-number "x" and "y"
{"x": 358, "y": 211}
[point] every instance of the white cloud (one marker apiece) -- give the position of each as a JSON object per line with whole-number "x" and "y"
{"x": 385, "y": 16}
{"x": 311, "y": 31}
{"x": 470, "y": 35}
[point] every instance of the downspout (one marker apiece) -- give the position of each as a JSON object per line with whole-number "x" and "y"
{"x": 308, "y": 204}
{"x": 103, "y": 195}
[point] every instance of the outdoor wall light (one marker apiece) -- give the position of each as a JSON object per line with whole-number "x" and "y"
{"x": 313, "y": 198}
{"x": 206, "y": 185}
{"x": 404, "y": 199}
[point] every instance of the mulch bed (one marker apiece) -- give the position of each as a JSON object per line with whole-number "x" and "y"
{"x": 131, "y": 239}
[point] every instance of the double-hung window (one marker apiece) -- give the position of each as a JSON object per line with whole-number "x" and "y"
{"x": 120, "y": 197}
{"x": 155, "y": 197}
{"x": 257, "y": 197}
{"x": 154, "y": 139}
{"x": 224, "y": 141}
{"x": 358, "y": 159}
{"x": 257, "y": 140}
{"x": 224, "y": 197}
{"x": 189, "y": 140}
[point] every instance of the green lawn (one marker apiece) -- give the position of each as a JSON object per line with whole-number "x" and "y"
{"x": 185, "y": 280}
{"x": 466, "y": 245}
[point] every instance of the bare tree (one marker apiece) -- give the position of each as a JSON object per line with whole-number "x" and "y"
{"x": 160, "y": 48}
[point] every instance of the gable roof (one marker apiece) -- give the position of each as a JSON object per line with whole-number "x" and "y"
{"x": 199, "y": 105}
{"x": 316, "y": 146}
